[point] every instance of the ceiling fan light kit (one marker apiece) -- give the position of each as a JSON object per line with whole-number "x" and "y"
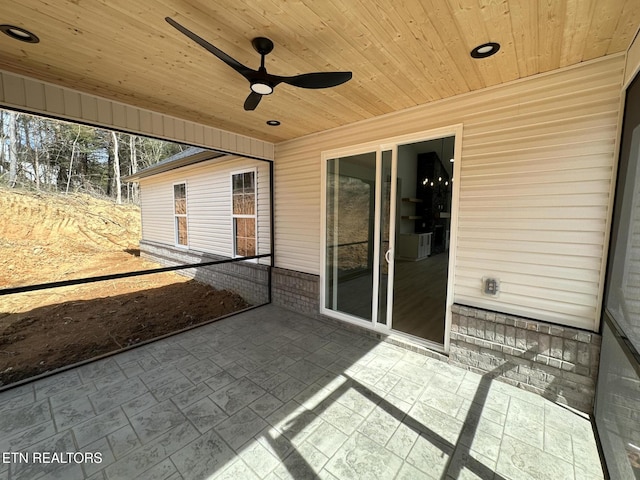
{"x": 262, "y": 88}
{"x": 260, "y": 81}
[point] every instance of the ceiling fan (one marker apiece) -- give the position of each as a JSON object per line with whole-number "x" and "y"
{"x": 261, "y": 82}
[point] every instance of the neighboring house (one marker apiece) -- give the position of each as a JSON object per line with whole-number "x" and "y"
{"x": 200, "y": 205}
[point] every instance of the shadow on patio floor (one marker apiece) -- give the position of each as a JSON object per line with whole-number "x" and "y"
{"x": 272, "y": 394}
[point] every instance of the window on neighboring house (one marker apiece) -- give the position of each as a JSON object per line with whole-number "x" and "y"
{"x": 243, "y": 187}
{"x": 180, "y": 212}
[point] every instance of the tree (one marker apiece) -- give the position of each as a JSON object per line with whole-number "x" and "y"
{"x": 116, "y": 168}
{"x": 13, "y": 149}
{"x": 133, "y": 166}
{"x": 41, "y": 153}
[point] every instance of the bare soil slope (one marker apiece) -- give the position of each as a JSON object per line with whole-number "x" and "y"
{"x": 46, "y": 238}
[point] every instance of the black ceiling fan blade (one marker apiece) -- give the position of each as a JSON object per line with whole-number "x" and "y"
{"x": 233, "y": 63}
{"x": 316, "y": 80}
{"x": 252, "y": 101}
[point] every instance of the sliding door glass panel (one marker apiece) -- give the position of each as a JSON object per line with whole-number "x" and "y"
{"x": 385, "y": 223}
{"x": 423, "y": 213}
{"x": 349, "y": 234}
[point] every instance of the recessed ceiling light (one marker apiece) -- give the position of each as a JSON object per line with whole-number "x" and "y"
{"x": 18, "y": 33}
{"x": 273, "y": 123}
{"x": 485, "y": 50}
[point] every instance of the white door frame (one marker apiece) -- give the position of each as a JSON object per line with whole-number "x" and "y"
{"x": 392, "y": 144}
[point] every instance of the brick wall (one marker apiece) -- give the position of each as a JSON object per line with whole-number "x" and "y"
{"x": 296, "y": 291}
{"x": 249, "y": 280}
{"x": 559, "y": 363}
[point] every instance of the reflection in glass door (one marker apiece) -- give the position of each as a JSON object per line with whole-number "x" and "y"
{"x": 350, "y": 221}
{"x": 423, "y": 200}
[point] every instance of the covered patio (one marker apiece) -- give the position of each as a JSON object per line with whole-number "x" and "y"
{"x": 272, "y": 394}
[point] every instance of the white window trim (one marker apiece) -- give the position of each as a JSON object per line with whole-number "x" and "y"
{"x": 180, "y": 215}
{"x": 253, "y": 170}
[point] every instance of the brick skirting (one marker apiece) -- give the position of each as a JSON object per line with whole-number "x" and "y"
{"x": 296, "y": 291}
{"x": 559, "y": 363}
{"x": 249, "y": 280}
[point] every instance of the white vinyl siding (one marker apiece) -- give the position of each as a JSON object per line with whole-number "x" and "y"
{"x": 41, "y": 98}
{"x": 209, "y": 203}
{"x": 535, "y": 189}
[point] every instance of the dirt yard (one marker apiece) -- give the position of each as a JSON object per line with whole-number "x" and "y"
{"x": 46, "y": 238}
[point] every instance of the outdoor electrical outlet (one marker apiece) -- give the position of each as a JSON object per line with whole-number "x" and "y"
{"x": 491, "y": 286}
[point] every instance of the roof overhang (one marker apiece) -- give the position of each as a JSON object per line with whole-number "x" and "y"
{"x": 190, "y": 156}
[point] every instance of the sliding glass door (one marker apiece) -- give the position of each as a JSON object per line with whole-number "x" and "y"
{"x": 387, "y": 222}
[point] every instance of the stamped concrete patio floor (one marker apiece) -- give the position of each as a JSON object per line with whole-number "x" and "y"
{"x": 272, "y": 394}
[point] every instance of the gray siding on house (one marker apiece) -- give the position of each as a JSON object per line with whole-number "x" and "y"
{"x": 537, "y": 170}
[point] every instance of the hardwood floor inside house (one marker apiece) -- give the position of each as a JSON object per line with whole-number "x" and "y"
{"x": 420, "y": 293}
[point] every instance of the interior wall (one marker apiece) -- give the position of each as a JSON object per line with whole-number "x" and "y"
{"x": 535, "y": 189}
{"x": 407, "y": 164}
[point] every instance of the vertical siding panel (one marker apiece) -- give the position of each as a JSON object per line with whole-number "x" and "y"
{"x": 168, "y": 128}
{"x": 256, "y": 148}
{"x": 72, "y": 104}
{"x": 34, "y": 95}
{"x": 179, "y": 130}
{"x": 51, "y": 100}
{"x": 548, "y": 138}
{"x": 54, "y": 99}
{"x": 14, "y": 90}
{"x": 208, "y": 136}
{"x": 189, "y": 133}
{"x": 228, "y": 142}
{"x": 105, "y": 113}
{"x": 89, "y": 108}
{"x": 119, "y": 116}
{"x": 216, "y": 137}
{"x": 132, "y": 116}
{"x": 146, "y": 123}
{"x": 157, "y": 128}
{"x": 198, "y": 134}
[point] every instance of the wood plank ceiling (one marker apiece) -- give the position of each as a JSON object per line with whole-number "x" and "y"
{"x": 402, "y": 53}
